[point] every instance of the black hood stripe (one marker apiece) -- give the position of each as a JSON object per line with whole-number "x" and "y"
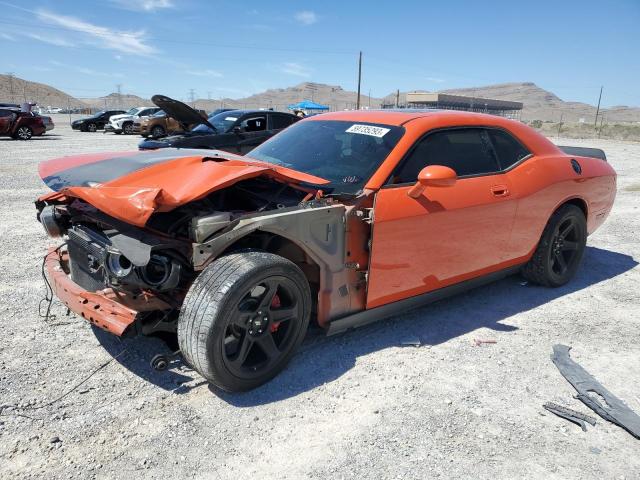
{"x": 111, "y": 168}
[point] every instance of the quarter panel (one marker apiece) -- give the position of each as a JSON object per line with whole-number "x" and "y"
{"x": 544, "y": 183}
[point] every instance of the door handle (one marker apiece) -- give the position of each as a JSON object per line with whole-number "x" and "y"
{"x": 499, "y": 190}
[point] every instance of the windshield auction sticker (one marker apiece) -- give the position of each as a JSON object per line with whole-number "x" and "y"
{"x": 368, "y": 130}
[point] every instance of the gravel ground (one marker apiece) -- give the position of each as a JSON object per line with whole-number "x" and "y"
{"x": 360, "y": 405}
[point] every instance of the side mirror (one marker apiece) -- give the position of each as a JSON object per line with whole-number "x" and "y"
{"x": 237, "y": 129}
{"x": 433, "y": 176}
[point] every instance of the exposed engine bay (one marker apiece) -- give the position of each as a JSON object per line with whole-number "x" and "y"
{"x": 163, "y": 259}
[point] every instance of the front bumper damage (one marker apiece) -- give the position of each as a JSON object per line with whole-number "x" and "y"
{"x": 114, "y": 311}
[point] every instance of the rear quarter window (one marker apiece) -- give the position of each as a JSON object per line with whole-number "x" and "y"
{"x": 509, "y": 150}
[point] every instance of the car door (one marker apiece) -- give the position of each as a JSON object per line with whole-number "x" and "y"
{"x": 448, "y": 234}
{"x": 102, "y": 120}
{"x": 252, "y": 132}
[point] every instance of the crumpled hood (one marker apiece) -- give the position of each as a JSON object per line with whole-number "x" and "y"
{"x": 131, "y": 186}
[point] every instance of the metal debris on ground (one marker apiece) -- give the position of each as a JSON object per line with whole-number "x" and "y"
{"x": 593, "y": 394}
{"x": 411, "y": 342}
{"x": 569, "y": 414}
{"x": 477, "y": 342}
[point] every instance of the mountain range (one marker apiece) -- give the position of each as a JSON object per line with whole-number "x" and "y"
{"x": 539, "y": 104}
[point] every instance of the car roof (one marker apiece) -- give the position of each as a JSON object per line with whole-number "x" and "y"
{"x": 398, "y": 116}
{"x": 246, "y": 112}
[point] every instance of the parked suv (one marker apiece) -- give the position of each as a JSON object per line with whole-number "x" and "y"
{"x": 160, "y": 125}
{"x": 124, "y": 123}
{"x": 20, "y": 125}
{"x": 95, "y": 122}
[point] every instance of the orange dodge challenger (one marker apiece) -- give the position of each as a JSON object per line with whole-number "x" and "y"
{"x": 342, "y": 219}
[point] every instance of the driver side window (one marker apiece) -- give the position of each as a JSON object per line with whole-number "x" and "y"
{"x": 254, "y": 124}
{"x": 468, "y": 151}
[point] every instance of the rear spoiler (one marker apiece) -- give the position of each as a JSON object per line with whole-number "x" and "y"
{"x": 584, "y": 152}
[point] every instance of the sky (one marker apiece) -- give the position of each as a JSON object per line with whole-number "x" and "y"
{"x": 236, "y": 48}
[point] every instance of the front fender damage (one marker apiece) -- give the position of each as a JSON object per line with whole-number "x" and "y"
{"x": 318, "y": 231}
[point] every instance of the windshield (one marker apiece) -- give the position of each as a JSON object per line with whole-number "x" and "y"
{"x": 346, "y": 153}
{"x": 222, "y": 121}
{"x": 159, "y": 113}
{"x": 133, "y": 111}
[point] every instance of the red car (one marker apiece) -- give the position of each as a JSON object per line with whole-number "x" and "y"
{"x": 342, "y": 219}
{"x": 20, "y": 125}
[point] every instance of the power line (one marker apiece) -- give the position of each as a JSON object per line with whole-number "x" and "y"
{"x": 100, "y": 33}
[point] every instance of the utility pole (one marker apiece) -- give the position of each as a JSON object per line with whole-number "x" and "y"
{"x": 601, "y": 122}
{"x": 397, "y": 98}
{"x": 595, "y": 123}
{"x": 560, "y": 124}
{"x": 359, "y": 79}
{"x": 369, "y": 98}
{"x": 192, "y": 95}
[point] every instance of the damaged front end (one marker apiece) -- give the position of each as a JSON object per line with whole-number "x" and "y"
{"x": 122, "y": 279}
{"x": 129, "y": 278}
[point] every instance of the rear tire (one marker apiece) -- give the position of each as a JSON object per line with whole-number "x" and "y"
{"x": 560, "y": 250}
{"x": 23, "y": 133}
{"x": 243, "y": 319}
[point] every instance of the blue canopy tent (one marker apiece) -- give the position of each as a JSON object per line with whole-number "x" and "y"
{"x": 307, "y": 105}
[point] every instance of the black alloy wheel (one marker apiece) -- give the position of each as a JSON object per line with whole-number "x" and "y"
{"x": 261, "y": 327}
{"x": 92, "y": 127}
{"x": 564, "y": 246}
{"x": 559, "y": 252}
{"x": 243, "y": 318}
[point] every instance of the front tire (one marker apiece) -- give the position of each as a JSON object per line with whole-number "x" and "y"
{"x": 560, "y": 250}
{"x": 127, "y": 128}
{"x": 158, "y": 131}
{"x": 92, "y": 127}
{"x": 243, "y": 319}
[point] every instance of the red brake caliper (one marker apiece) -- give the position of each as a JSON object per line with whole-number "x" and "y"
{"x": 275, "y": 303}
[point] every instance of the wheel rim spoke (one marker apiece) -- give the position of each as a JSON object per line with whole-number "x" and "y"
{"x": 279, "y": 315}
{"x": 566, "y": 230}
{"x": 245, "y": 347}
{"x": 562, "y": 264}
{"x": 569, "y": 245}
{"x": 269, "y": 347}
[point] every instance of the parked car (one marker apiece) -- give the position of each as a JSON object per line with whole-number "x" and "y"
{"x": 95, "y": 122}
{"x": 20, "y": 125}
{"x": 342, "y": 219}
{"x": 160, "y": 125}
{"x": 48, "y": 122}
{"x": 237, "y": 131}
{"x": 123, "y": 123}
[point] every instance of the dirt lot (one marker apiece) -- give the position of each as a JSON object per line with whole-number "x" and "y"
{"x": 360, "y": 405}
